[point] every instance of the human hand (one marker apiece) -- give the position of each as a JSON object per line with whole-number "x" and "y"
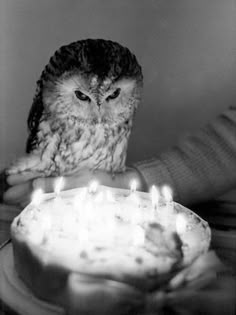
{"x": 206, "y": 286}
{"x": 18, "y": 187}
{"x": 90, "y": 295}
{"x": 198, "y": 273}
{"x": 85, "y": 176}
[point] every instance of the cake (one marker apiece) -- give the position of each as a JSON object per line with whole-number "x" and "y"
{"x": 92, "y": 250}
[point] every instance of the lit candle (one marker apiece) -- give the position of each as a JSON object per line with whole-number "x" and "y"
{"x": 133, "y": 186}
{"x": 180, "y": 223}
{"x": 155, "y": 196}
{"x": 168, "y": 197}
{"x": 167, "y": 194}
{"x": 93, "y": 187}
{"x": 37, "y": 197}
{"x": 36, "y": 228}
{"x": 58, "y": 185}
{"x": 132, "y": 203}
{"x": 133, "y": 195}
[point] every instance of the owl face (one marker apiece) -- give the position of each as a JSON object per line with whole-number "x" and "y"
{"x": 91, "y": 81}
{"x": 90, "y": 99}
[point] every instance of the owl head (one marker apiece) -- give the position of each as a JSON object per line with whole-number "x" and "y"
{"x": 93, "y": 81}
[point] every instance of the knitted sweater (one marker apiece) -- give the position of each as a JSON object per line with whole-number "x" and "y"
{"x": 202, "y": 166}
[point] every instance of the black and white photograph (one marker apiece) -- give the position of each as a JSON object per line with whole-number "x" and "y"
{"x": 117, "y": 157}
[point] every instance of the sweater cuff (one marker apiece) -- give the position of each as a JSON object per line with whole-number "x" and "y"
{"x": 155, "y": 172}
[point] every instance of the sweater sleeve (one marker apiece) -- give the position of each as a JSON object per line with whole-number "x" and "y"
{"x": 202, "y": 166}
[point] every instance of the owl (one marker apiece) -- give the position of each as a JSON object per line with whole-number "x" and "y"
{"x": 83, "y": 110}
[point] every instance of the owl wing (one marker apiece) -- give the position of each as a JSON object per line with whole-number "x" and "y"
{"x": 34, "y": 118}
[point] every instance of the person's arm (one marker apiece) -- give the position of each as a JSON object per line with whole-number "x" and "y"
{"x": 200, "y": 167}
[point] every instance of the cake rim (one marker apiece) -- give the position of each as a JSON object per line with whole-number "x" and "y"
{"x": 18, "y": 240}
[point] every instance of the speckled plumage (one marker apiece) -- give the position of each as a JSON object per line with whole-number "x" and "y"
{"x": 83, "y": 110}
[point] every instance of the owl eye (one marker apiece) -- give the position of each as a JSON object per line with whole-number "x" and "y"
{"x": 81, "y": 96}
{"x": 114, "y": 95}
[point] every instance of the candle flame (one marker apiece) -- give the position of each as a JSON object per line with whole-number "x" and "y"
{"x": 93, "y": 187}
{"x": 155, "y": 196}
{"x": 181, "y": 223}
{"x": 167, "y": 193}
{"x": 59, "y": 184}
{"x": 133, "y": 185}
{"x": 37, "y": 197}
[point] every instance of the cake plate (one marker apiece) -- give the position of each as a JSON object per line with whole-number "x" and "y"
{"x": 15, "y": 297}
